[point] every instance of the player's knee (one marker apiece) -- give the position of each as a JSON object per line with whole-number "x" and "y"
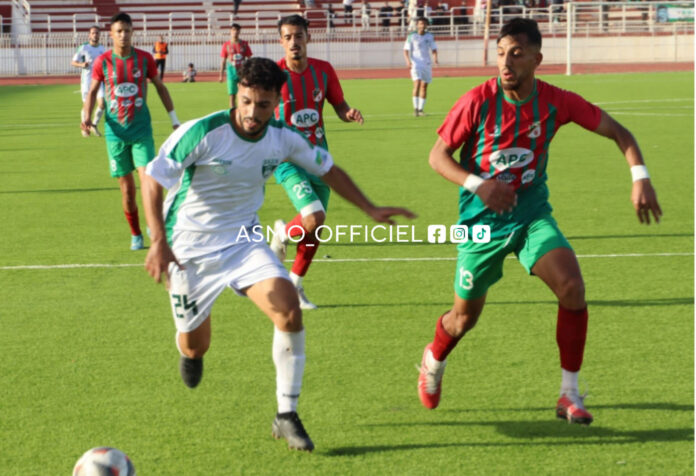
{"x": 313, "y": 221}
{"x": 571, "y": 293}
{"x": 290, "y": 320}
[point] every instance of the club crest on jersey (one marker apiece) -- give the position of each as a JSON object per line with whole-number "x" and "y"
{"x": 305, "y": 118}
{"x": 136, "y": 73}
{"x": 269, "y": 165}
{"x": 317, "y": 95}
{"x": 511, "y": 158}
{"x": 496, "y": 131}
{"x": 126, "y": 90}
{"x": 113, "y": 104}
{"x": 220, "y": 166}
{"x": 534, "y": 130}
{"x": 138, "y": 102}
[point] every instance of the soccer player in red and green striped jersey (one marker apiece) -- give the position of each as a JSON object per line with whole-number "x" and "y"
{"x": 504, "y": 128}
{"x": 310, "y": 82}
{"x": 124, "y": 70}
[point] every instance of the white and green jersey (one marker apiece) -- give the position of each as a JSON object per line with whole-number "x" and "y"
{"x": 88, "y": 53}
{"x": 216, "y": 179}
{"x": 419, "y": 48}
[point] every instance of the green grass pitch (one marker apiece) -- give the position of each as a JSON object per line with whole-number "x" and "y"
{"x": 88, "y": 355}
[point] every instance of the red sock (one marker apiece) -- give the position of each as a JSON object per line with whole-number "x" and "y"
{"x": 294, "y": 227}
{"x": 306, "y": 249}
{"x": 443, "y": 343}
{"x": 571, "y": 331}
{"x": 133, "y": 222}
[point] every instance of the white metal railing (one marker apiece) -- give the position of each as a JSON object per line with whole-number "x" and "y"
{"x": 591, "y": 17}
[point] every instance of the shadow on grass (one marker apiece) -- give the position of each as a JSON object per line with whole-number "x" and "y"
{"x": 678, "y": 301}
{"x": 537, "y": 433}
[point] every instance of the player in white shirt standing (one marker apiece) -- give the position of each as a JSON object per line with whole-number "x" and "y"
{"x": 207, "y": 235}
{"x": 84, "y": 58}
{"x": 417, "y": 49}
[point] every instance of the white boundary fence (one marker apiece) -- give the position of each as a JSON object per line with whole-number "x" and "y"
{"x": 592, "y": 35}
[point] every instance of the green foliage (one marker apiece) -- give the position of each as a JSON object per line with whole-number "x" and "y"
{"x": 89, "y": 356}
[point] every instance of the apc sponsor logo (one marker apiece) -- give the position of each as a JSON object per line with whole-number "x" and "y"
{"x": 528, "y": 175}
{"x": 514, "y": 157}
{"x": 126, "y": 90}
{"x": 305, "y": 118}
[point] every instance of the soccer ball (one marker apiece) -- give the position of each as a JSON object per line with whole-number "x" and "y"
{"x": 104, "y": 461}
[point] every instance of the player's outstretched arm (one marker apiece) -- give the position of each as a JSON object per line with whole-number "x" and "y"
{"x": 160, "y": 254}
{"x": 166, "y": 99}
{"x": 348, "y": 114}
{"x": 498, "y": 196}
{"x": 88, "y": 106}
{"x": 341, "y": 182}
{"x": 643, "y": 195}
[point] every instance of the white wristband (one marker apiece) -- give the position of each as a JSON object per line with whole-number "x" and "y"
{"x": 174, "y": 119}
{"x": 639, "y": 172}
{"x": 472, "y": 182}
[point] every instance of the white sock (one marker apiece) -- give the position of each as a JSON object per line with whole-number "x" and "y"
{"x": 421, "y": 103}
{"x": 97, "y": 115}
{"x": 83, "y": 116}
{"x": 296, "y": 280}
{"x": 415, "y": 102}
{"x": 289, "y": 360}
{"x": 433, "y": 364}
{"x": 569, "y": 381}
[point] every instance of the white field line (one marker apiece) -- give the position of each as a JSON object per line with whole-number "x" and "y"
{"x": 332, "y": 260}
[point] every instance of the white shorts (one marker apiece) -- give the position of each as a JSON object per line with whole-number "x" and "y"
{"x": 194, "y": 289}
{"x": 421, "y": 72}
{"x": 85, "y": 89}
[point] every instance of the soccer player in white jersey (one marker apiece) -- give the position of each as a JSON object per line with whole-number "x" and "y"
{"x": 417, "y": 49}
{"x": 84, "y": 58}
{"x": 206, "y": 237}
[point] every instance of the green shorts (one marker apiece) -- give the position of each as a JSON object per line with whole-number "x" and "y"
{"x": 125, "y": 156}
{"x": 303, "y": 188}
{"x": 480, "y": 265}
{"x": 232, "y": 79}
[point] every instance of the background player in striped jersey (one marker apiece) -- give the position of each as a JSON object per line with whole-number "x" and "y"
{"x": 417, "y": 49}
{"x": 505, "y": 127}
{"x": 124, "y": 71}
{"x": 309, "y": 83}
{"x": 84, "y": 58}
{"x": 234, "y": 53}
{"x": 217, "y": 167}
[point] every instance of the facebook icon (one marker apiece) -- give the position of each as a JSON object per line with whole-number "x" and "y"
{"x": 437, "y": 233}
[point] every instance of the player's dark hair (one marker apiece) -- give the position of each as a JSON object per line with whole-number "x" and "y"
{"x": 93, "y": 27}
{"x": 261, "y": 72}
{"x": 121, "y": 17}
{"x": 423, "y": 19}
{"x": 522, "y": 26}
{"x": 236, "y": 26}
{"x": 295, "y": 20}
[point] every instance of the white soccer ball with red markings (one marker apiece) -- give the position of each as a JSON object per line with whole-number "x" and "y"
{"x": 104, "y": 461}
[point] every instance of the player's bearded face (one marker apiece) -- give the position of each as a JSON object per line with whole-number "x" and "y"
{"x": 255, "y": 108}
{"x": 517, "y": 61}
{"x": 94, "y": 36}
{"x": 121, "y": 34}
{"x": 294, "y": 40}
